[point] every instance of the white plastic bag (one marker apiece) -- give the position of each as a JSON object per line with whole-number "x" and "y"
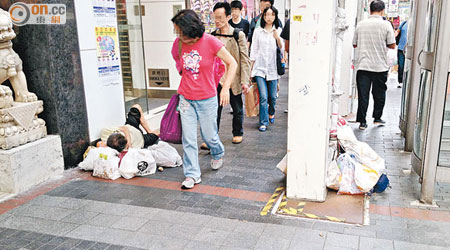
{"x": 107, "y": 167}
{"x": 347, "y": 166}
{"x": 365, "y": 177}
{"x": 334, "y": 176}
{"x": 165, "y": 155}
{"x": 95, "y": 153}
{"x": 392, "y": 57}
{"x": 365, "y": 155}
{"x": 137, "y": 162}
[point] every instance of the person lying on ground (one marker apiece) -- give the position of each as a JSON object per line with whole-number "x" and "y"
{"x": 130, "y": 135}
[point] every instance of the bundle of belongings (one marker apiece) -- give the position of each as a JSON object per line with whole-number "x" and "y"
{"x": 108, "y": 163}
{"x": 355, "y": 168}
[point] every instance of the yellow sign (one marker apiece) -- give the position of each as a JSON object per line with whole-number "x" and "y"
{"x": 298, "y": 18}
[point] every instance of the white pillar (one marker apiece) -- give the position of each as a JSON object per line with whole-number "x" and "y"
{"x": 311, "y": 61}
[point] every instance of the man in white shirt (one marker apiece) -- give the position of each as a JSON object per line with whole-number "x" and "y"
{"x": 372, "y": 39}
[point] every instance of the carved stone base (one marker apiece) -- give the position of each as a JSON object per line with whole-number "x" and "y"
{"x": 19, "y": 124}
{"x": 30, "y": 164}
{"x": 22, "y": 138}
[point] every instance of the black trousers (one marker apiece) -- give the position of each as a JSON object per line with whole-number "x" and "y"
{"x": 134, "y": 119}
{"x": 238, "y": 112}
{"x": 364, "y": 81}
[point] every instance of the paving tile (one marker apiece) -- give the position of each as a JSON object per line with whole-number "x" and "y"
{"x": 402, "y": 245}
{"x": 130, "y": 223}
{"x": 279, "y": 231}
{"x": 304, "y": 245}
{"x": 79, "y": 217}
{"x": 223, "y": 224}
{"x": 371, "y": 243}
{"x": 237, "y": 239}
{"x": 200, "y": 245}
{"x": 38, "y": 225}
{"x": 233, "y": 248}
{"x": 170, "y": 229}
{"x": 266, "y": 243}
{"x": 342, "y": 240}
{"x": 34, "y": 245}
{"x": 213, "y": 236}
{"x": 85, "y": 244}
{"x": 250, "y": 228}
{"x": 37, "y": 211}
{"x": 104, "y": 220}
{"x": 99, "y": 246}
{"x": 308, "y": 235}
{"x": 168, "y": 243}
{"x": 360, "y": 232}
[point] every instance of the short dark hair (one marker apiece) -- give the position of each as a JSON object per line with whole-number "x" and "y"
{"x": 377, "y": 6}
{"x": 189, "y": 23}
{"x": 117, "y": 141}
{"x": 224, "y": 5}
{"x": 236, "y": 4}
{"x": 271, "y": 1}
{"x": 276, "y": 22}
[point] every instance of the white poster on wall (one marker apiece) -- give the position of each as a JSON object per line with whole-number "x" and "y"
{"x": 107, "y": 40}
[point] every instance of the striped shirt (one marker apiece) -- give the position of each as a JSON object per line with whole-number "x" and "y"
{"x": 371, "y": 38}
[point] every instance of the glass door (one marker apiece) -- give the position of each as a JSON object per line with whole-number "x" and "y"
{"x": 444, "y": 151}
{"x": 129, "y": 20}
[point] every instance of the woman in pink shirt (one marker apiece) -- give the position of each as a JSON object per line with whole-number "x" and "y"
{"x": 198, "y": 91}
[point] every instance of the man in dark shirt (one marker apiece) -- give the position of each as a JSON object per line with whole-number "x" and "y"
{"x": 236, "y": 20}
{"x": 285, "y": 35}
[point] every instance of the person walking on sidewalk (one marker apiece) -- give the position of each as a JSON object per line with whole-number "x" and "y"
{"x": 238, "y": 49}
{"x": 236, "y": 18}
{"x": 372, "y": 39}
{"x": 263, "y": 55}
{"x": 402, "y": 35}
{"x": 198, "y": 91}
{"x": 256, "y": 21}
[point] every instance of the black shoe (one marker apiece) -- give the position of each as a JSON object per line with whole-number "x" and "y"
{"x": 379, "y": 122}
{"x": 362, "y": 125}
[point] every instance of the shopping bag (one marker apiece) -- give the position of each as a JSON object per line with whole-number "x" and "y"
{"x": 95, "y": 153}
{"x": 165, "y": 155}
{"x": 107, "y": 167}
{"x": 252, "y": 101}
{"x": 347, "y": 184}
{"x": 392, "y": 57}
{"x": 137, "y": 162}
{"x": 170, "y": 128}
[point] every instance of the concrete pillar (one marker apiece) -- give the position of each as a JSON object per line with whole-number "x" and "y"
{"x": 311, "y": 61}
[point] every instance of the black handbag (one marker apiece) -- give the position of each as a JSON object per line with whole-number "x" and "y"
{"x": 280, "y": 66}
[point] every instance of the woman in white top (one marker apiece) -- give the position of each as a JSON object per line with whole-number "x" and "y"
{"x": 263, "y": 55}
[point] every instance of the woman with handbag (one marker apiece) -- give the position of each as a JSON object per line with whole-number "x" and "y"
{"x": 198, "y": 91}
{"x": 266, "y": 44}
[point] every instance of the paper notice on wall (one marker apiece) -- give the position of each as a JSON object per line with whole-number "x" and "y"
{"x": 108, "y": 61}
{"x": 106, "y": 34}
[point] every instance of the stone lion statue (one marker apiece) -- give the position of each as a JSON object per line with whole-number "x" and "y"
{"x": 11, "y": 66}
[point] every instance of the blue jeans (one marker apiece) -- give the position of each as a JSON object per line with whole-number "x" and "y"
{"x": 401, "y": 65}
{"x": 267, "y": 99}
{"x": 205, "y": 112}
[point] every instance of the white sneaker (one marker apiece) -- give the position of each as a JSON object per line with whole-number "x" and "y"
{"x": 216, "y": 164}
{"x": 189, "y": 182}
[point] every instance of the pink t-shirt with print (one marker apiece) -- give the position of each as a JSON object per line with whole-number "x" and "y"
{"x": 197, "y": 60}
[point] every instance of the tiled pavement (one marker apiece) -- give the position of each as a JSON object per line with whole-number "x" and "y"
{"x": 223, "y": 212}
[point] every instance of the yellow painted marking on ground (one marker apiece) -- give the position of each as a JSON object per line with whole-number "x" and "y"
{"x": 334, "y": 219}
{"x": 311, "y": 216}
{"x": 271, "y": 201}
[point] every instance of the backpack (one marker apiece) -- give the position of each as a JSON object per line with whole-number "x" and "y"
{"x": 397, "y": 39}
{"x": 235, "y": 34}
